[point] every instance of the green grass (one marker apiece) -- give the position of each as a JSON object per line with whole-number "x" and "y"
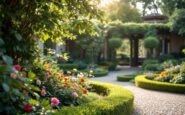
{"x": 142, "y": 82}
{"x": 116, "y": 101}
{"x": 126, "y": 77}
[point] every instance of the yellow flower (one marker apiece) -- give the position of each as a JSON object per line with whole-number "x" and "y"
{"x": 46, "y": 65}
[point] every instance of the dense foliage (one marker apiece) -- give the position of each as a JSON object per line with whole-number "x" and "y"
{"x": 135, "y": 29}
{"x": 177, "y": 21}
{"x": 24, "y": 22}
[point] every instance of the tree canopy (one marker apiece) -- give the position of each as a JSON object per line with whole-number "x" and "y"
{"x": 23, "y": 22}
{"x": 122, "y": 10}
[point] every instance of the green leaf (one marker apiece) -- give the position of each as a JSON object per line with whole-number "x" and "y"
{"x": 18, "y": 36}
{"x": 8, "y": 60}
{"x": 31, "y": 75}
{"x": 6, "y": 87}
{"x": 33, "y": 102}
{"x": 1, "y": 42}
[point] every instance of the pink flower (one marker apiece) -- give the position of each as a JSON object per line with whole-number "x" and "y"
{"x": 17, "y": 67}
{"x": 13, "y": 75}
{"x": 43, "y": 91}
{"x": 75, "y": 95}
{"x": 54, "y": 101}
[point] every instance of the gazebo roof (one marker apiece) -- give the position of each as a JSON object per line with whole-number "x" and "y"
{"x": 154, "y": 17}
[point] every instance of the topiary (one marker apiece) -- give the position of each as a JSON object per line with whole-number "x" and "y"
{"x": 115, "y": 43}
{"x": 151, "y": 42}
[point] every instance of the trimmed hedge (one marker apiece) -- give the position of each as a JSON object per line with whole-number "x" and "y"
{"x": 125, "y": 77}
{"x": 100, "y": 73}
{"x": 142, "y": 82}
{"x": 68, "y": 66}
{"x": 119, "y": 101}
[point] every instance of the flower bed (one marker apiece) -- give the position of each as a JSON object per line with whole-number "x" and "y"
{"x": 116, "y": 101}
{"x": 125, "y": 77}
{"x": 142, "y": 82}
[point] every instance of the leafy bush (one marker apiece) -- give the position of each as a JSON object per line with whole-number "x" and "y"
{"x": 177, "y": 21}
{"x": 117, "y": 101}
{"x": 125, "y": 77}
{"x": 98, "y": 72}
{"x": 81, "y": 64}
{"x": 151, "y": 42}
{"x": 142, "y": 82}
{"x": 169, "y": 63}
{"x": 153, "y": 67}
{"x": 68, "y": 66}
{"x": 112, "y": 65}
{"x": 165, "y": 57}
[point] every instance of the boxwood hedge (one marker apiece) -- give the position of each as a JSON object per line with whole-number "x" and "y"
{"x": 142, "y": 82}
{"x": 125, "y": 77}
{"x": 69, "y": 66}
{"x": 100, "y": 73}
{"x": 118, "y": 101}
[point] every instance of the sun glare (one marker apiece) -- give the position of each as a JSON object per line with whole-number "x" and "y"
{"x": 105, "y": 2}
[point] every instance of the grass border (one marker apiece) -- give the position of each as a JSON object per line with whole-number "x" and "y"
{"x": 119, "y": 101}
{"x": 142, "y": 82}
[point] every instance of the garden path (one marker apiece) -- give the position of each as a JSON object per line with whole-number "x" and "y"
{"x": 148, "y": 102}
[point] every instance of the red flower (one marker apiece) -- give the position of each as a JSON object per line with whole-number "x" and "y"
{"x": 17, "y": 67}
{"x": 85, "y": 91}
{"x": 28, "y": 108}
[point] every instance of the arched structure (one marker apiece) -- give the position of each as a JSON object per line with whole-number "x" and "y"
{"x": 136, "y": 31}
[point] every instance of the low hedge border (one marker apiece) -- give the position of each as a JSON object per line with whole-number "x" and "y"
{"x": 142, "y": 82}
{"x": 125, "y": 77}
{"x": 69, "y": 66}
{"x": 100, "y": 73}
{"x": 119, "y": 101}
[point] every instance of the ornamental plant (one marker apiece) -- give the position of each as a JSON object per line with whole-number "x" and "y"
{"x": 67, "y": 86}
{"x": 18, "y": 91}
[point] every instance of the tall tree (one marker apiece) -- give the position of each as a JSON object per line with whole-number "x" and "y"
{"x": 123, "y": 10}
{"x": 23, "y": 22}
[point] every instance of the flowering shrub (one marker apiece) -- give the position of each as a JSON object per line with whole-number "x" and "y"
{"x": 39, "y": 89}
{"x": 174, "y": 74}
{"x": 67, "y": 86}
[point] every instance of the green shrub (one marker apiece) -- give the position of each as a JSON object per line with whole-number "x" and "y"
{"x": 68, "y": 66}
{"x": 153, "y": 67}
{"x": 81, "y": 65}
{"x": 165, "y": 57}
{"x": 100, "y": 72}
{"x": 142, "y": 82}
{"x": 125, "y": 77}
{"x": 119, "y": 101}
{"x": 112, "y": 66}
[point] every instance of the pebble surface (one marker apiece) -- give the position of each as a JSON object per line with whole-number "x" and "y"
{"x": 148, "y": 102}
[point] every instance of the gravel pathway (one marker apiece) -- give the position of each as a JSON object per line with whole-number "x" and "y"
{"x": 148, "y": 102}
